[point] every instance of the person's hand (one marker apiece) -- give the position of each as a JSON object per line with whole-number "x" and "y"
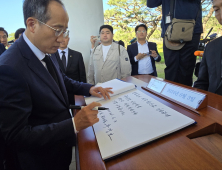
{"x": 86, "y": 116}
{"x": 153, "y": 54}
{"x": 93, "y": 41}
{"x": 140, "y": 56}
{"x": 100, "y": 92}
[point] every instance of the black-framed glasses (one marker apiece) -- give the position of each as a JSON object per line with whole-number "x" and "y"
{"x": 58, "y": 32}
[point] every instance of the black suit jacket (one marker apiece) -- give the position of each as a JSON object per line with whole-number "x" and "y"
{"x": 2, "y": 48}
{"x": 2, "y": 142}
{"x": 75, "y": 69}
{"x": 34, "y": 117}
{"x": 209, "y": 77}
{"x": 133, "y": 51}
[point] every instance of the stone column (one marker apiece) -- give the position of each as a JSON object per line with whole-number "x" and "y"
{"x": 85, "y": 18}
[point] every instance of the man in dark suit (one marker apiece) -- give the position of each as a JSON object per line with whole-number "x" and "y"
{"x": 34, "y": 110}
{"x": 210, "y": 71}
{"x": 2, "y": 48}
{"x": 143, "y": 54}
{"x": 71, "y": 63}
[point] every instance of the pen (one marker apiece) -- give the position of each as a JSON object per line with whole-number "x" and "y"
{"x": 80, "y": 107}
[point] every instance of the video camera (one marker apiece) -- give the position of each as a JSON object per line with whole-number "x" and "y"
{"x": 204, "y": 41}
{"x": 201, "y": 48}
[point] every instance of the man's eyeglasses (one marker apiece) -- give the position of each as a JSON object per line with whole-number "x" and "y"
{"x": 141, "y": 31}
{"x": 57, "y": 31}
{"x": 3, "y": 37}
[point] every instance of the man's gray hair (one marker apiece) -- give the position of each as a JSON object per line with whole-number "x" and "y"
{"x": 37, "y": 9}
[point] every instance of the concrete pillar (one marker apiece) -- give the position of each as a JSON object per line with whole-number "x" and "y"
{"x": 85, "y": 18}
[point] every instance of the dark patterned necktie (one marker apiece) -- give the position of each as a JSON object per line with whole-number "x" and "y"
{"x": 64, "y": 59}
{"x": 50, "y": 68}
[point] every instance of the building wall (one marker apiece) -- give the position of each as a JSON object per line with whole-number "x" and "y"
{"x": 85, "y": 18}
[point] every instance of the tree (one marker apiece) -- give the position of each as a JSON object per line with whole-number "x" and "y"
{"x": 124, "y": 15}
{"x": 207, "y": 11}
{"x": 11, "y": 36}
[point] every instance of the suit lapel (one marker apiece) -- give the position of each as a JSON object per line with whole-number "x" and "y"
{"x": 37, "y": 67}
{"x": 151, "y": 58}
{"x": 59, "y": 61}
{"x": 218, "y": 70}
{"x": 60, "y": 79}
{"x": 135, "y": 46}
{"x": 70, "y": 58}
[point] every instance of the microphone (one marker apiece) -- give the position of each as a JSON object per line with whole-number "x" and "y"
{"x": 199, "y": 53}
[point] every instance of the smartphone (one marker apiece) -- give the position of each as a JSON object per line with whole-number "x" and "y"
{"x": 148, "y": 53}
{"x": 97, "y": 38}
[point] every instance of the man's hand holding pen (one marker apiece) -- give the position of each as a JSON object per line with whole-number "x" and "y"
{"x": 87, "y": 116}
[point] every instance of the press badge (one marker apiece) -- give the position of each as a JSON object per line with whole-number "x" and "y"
{"x": 168, "y": 20}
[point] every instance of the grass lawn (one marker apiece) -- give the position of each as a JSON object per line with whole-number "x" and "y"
{"x": 160, "y": 66}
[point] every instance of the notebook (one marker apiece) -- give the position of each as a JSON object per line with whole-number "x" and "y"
{"x": 133, "y": 119}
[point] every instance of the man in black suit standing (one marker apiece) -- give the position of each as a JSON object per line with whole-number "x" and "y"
{"x": 210, "y": 72}
{"x": 72, "y": 64}
{"x": 143, "y": 54}
{"x": 35, "y": 121}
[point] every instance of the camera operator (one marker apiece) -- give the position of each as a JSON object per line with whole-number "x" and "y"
{"x": 210, "y": 71}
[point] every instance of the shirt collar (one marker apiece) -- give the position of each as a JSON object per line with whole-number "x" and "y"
{"x": 143, "y": 44}
{"x": 60, "y": 51}
{"x": 39, "y": 54}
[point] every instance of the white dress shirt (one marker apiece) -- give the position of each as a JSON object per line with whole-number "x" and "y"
{"x": 40, "y": 55}
{"x": 144, "y": 64}
{"x": 66, "y": 54}
{"x": 105, "y": 51}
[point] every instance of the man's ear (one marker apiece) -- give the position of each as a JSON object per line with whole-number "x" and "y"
{"x": 31, "y": 24}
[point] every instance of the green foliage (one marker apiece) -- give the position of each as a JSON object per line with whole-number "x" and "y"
{"x": 217, "y": 28}
{"x": 11, "y": 36}
{"x": 124, "y": 15}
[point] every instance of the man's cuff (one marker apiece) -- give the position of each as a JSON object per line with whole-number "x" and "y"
{"x": 135, "y": 59}
{"x": 74, "y": 126}
{"x": 156, "y": 58}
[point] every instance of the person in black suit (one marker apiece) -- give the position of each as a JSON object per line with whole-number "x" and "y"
{"x": 72, "y": 64}
{"x": 2, "y": 48}
{"x": 143, "y": 54}
{"x": 34, "y": 110}
{"x": 210, "y": 71}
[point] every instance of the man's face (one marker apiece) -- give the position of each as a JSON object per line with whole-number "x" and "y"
{"x": 141, "y": 33}
{"x": 106, "y": 36}
{"x": 217, "y": 5}
{"x": 64, "y": 43}
{"x": 44, "y": 37}
{"x": 3, "y": 38}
